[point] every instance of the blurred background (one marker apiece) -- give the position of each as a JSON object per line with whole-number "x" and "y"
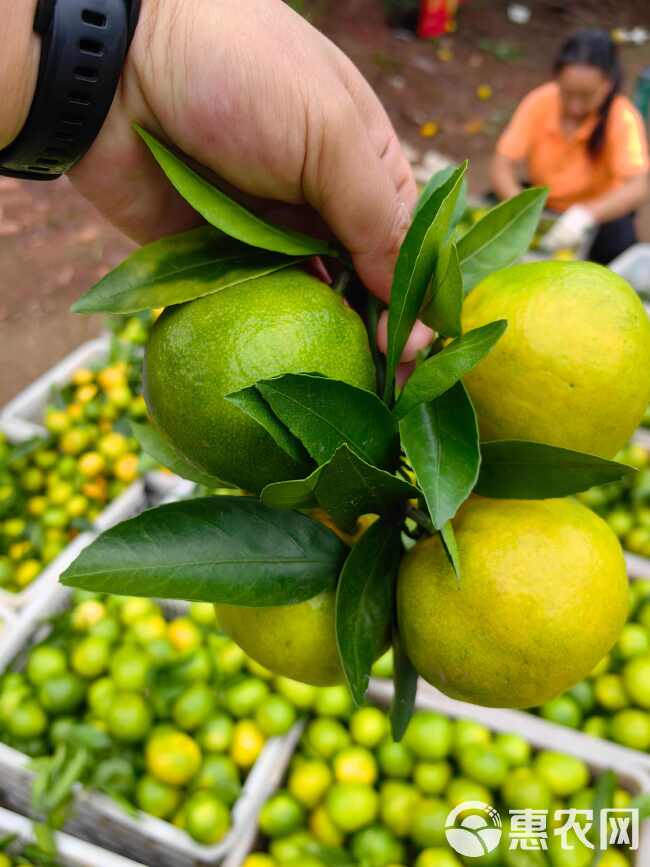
{"x": 451, "y": 93}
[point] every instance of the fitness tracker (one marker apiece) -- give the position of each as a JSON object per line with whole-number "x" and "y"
{"x": 83, "y": 48}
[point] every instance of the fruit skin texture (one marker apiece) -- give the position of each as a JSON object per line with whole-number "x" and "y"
{"x": 287, "y": 322}
{"x": 296, "y": 641}
{"x": 543, "y": 596}
{"x": 572, "y": 367}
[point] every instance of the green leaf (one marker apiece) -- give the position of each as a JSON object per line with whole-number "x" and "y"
{"x": 250, "y": 401}
{"x": 325, "y": 413}
{"x": 364, "y": 602}
{"x": 216, "y": 549}
{"x": 159, "y": 447}
{"x": 603, "y": 799}
{"x": 348, "y": 487}
{"x": 501, "y": 237}
{"x": 405, "y": 679}
{"x": 437, "y": 180}
{"x": 439, "y": 373}
{"x": 450, "y": 545}
{"x": 179, "y": 268}
{"x": 642, "y": 804}
{"x": 441, "y": 441}
{"x": 415, "y": 265}
{"x": 220, "y": 211}
{"x": 520, "y": 470}
{"x": 374, "y": 308}
{"x": 442, "y": 313}
{"x": 292, "y": 494}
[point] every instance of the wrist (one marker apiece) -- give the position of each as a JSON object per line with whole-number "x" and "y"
{"x": 19, "y": 61}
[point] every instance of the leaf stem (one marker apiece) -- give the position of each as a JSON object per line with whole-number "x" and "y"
{"x": 340, "y": 284}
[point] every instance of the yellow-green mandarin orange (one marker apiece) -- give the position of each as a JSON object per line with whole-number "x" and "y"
{"x": 198, "y": 352}
{"x": 296, "y": 641}
{"x": 543, "y": 596}
{"x": 573, "y": 367}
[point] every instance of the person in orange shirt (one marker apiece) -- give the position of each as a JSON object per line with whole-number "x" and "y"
{"x": 585, "y": 141}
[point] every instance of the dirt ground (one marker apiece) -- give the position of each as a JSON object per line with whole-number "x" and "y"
{"x": 53, "y": 245}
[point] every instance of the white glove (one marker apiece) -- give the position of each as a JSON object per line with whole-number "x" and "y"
{"x": 570, "y": 230}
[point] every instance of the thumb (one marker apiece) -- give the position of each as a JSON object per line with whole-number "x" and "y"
{"x": 346, "y": 180}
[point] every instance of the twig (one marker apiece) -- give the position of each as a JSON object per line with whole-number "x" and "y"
{"x": 421, "y": 519}
{"x": 341, "y": 282}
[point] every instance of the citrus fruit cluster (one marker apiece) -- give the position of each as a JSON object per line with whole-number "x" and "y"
{"x": 487, "y": 577}
{"x": 352, "y": 790}
{"x": 614, "y": 701}
{"x": 53, "y": 487}
{"x": 625, "y": 505}
{"x": 184, "y": 713}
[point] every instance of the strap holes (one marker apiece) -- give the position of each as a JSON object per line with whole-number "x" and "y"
{"x": 96, "y": 19}
{"x": 77, "y": 98}
{"x": 86, "y": 73}
{"x": 91, "y": 46}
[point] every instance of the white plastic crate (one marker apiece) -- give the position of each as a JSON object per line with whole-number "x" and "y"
{"x": 540, "y": 734}
{"x": 72, "y": 852}
{"x": 20, "y": 432}
{"x": 637, "y": 566}
{"x": 99, "y": 819}
{"x": 8, "y": 617}
{"x": 131, "y": 501}
{"x": 634, "y": 266}
{"x": 162, "y": 487}
{"x": 642, "y": 437}
{"x": 29, "y": 405}
{"x": 25, "y": 415}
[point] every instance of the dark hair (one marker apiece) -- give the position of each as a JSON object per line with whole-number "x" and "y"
{"x": 594, "y": 48}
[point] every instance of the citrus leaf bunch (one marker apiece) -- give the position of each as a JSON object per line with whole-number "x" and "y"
{"x": 410, "y": 457}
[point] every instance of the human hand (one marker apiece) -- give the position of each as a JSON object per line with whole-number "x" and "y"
{"x": 570, "y": 230}
{"x": 250, "y": 90}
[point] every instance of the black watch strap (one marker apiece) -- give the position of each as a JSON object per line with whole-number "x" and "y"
{"x": 84, "y": 45}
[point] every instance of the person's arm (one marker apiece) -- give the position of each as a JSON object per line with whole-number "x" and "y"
{"x": 18, "y": 66}
{"x": 503, "y": 177}
{"x": 620, "y": 201}
{"x": 514, "y": 145}
{"x": 255, "y": 94}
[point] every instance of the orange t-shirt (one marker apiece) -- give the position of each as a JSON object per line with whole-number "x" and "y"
{"x": 562, "y": 163}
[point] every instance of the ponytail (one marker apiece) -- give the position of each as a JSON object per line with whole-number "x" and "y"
{"x": 594, "y": 48}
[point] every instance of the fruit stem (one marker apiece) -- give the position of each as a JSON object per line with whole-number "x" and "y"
{"x": 340, "y": 284}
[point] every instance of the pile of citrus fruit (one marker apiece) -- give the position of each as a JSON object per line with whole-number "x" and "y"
{"x": 614, "y": 701}
{"x": 13, "y": 853}
{"x": 183, "y": 711}
{"x": 625, "y": 505}
{"x": 132, "y": 330}
{"x": 352, "y": 792}
{"x": 53, "y": 487}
